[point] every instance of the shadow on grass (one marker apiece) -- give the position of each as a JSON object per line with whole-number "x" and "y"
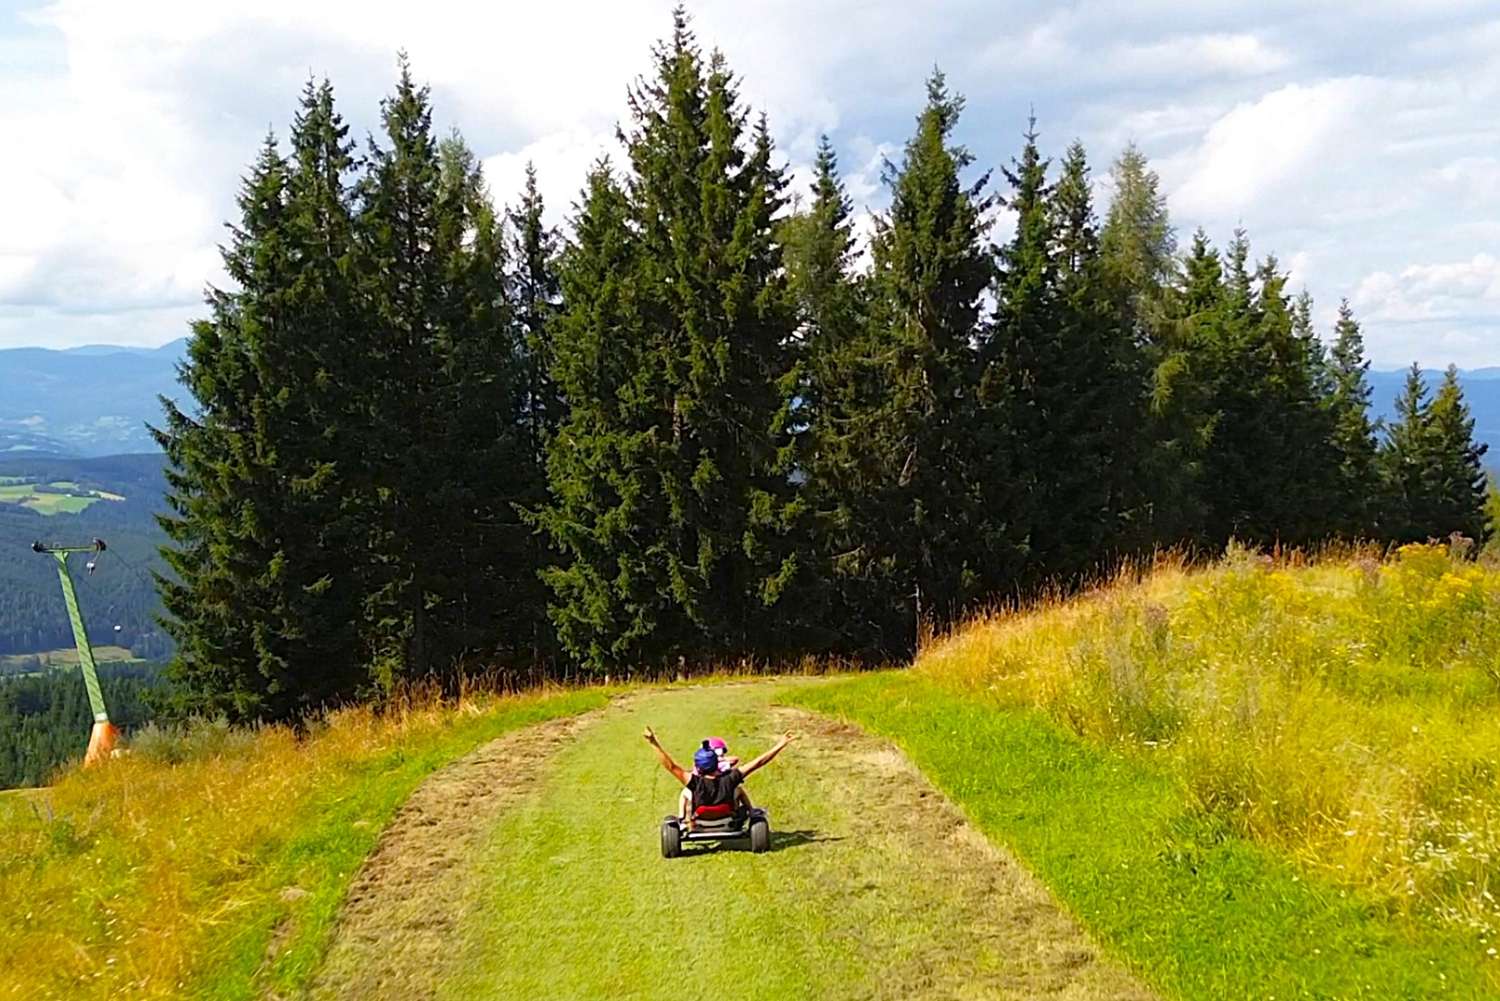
{"x": 780, "y": 841}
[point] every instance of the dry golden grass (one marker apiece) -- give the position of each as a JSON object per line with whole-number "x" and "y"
{"x": 175, "y": 860}
{"x": 1345, "y": 711}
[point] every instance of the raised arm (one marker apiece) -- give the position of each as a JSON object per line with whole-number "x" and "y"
{"x": 666, "y": 759}
{"x": 765, "y": 759}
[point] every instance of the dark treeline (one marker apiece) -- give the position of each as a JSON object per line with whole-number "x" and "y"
{"x": 703, "y": 425}
{"x": 33, "y": 617}
{"x": 45, "y": 717}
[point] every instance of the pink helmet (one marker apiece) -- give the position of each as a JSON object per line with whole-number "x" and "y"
{"x": 717, "y": 744}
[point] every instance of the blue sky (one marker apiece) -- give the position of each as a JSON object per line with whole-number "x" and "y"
{"x": 1359, "y": 142}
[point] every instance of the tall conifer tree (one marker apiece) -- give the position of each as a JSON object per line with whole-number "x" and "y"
{"x": 1075, "y": 373}
{"x": 1406, "y": 459}
{"x": 441, "y": 458}
{"x": 923, "y": 547}
{"x": 1458, "y": 485}
{"x": 710, "y": 302}
{"x": 1354, "y": 434}
{"x": 833, "y": 380}
{"x": 271, "y": 520}
{"x": 608, "y": 505}
{"x": 218, "y": 602}
{"x": 535, "y": 295}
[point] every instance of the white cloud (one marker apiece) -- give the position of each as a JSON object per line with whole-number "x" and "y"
{"x": 1424, "y": 292}
{"x": 562, "y": 161}
{"x": 1361, "y": 148}
{"x": 1259, "y": 144}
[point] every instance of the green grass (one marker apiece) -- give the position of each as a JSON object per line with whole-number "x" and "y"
{"x": 868, "y": 891}
{"x": 576, "y": 902}
{"x": 27, "y": 496}
{"x": 1201, "y": 912}
{"x": 169, "y": 872}
{"x": 68, "y": 656}
{"x": 329, "y": 839}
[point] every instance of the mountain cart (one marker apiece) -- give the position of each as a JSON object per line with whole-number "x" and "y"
{"x": 717, "y": 825}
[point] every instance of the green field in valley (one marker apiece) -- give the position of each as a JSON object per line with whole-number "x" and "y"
{"x": 59, "y": 497}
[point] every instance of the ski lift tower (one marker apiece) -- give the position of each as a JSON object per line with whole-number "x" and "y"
{"x": 105, "y": 734}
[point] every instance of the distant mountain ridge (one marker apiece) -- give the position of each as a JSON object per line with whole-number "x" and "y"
{"x": 97, "y": 400}
{"x": 88, "y": 401}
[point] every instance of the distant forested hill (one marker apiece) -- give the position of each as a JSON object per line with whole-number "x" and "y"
{"x": 120, "y": 593}
{"x": 84, "y": 401}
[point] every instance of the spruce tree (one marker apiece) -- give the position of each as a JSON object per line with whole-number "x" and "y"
{"x": 216, "y": 605}
{"x": 1457, "y": 482}
{"x": 535, "y": 297}
{"x": 607, "y": 509}
{"x": 1076, "y": 377}
{"x": 1406, "y": 461}
{"x": 711, "y": 306}
{"x": 1183, "y": 351}
{"x": 924, "y": 550}
{"x": 1269, "y": 471}
{"x": 1354, "y": 434}
{"x": 498, "y": 604}
{"x": 269, "y": 508}
{"x": 312, "y": 373}
{"x": 442, "y": 461}
{"x": 832, "y": 379}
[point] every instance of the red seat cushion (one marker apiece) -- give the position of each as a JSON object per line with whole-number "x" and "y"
{"x": 718, "y": 812}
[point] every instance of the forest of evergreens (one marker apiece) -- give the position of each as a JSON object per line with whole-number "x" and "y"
{"x": 122, "y": 594}
{"x": 45, "y": 717}
{"x": 705, "y": 424}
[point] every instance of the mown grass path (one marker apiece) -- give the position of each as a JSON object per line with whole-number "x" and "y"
{"x": 874, "y": 888}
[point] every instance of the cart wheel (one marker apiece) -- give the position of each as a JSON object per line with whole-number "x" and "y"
{"x": 760, "y": 836}
{"x": 671, "y": 839}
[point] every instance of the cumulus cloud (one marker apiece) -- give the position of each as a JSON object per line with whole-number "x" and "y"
{"x": 1258, "y": 145}
{"x": 1377, "y": 178}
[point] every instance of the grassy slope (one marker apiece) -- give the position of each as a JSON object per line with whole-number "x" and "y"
{"x": 564, "y": 870}
{"x": 868, "y": 892}
{"x": 1228, "y": 721}
{"x": 47, "y": 503}
{"x": 145, "y": 881}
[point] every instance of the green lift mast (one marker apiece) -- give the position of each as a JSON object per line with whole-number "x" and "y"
{"x": 104, "y": 735}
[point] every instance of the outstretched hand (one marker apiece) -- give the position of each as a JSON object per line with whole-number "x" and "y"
{"x": 650, "y": 735}
{"x": 787, "y": 738}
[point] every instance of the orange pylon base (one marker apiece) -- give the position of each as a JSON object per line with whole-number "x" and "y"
{"x": 101, "y": 742}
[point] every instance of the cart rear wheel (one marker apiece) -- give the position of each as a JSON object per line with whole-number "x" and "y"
{"x": 760, "y": 836}
{"x": 671, "y": 840}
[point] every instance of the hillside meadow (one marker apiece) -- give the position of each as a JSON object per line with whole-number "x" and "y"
{"x": 171, "y": 871}
{"x": 1263, "y": 777}
{"x": 1347, "y": 713}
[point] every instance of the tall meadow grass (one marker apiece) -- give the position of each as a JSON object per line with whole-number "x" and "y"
{"x": 208, "y": 859}
{"x": 1345, "y": 712}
